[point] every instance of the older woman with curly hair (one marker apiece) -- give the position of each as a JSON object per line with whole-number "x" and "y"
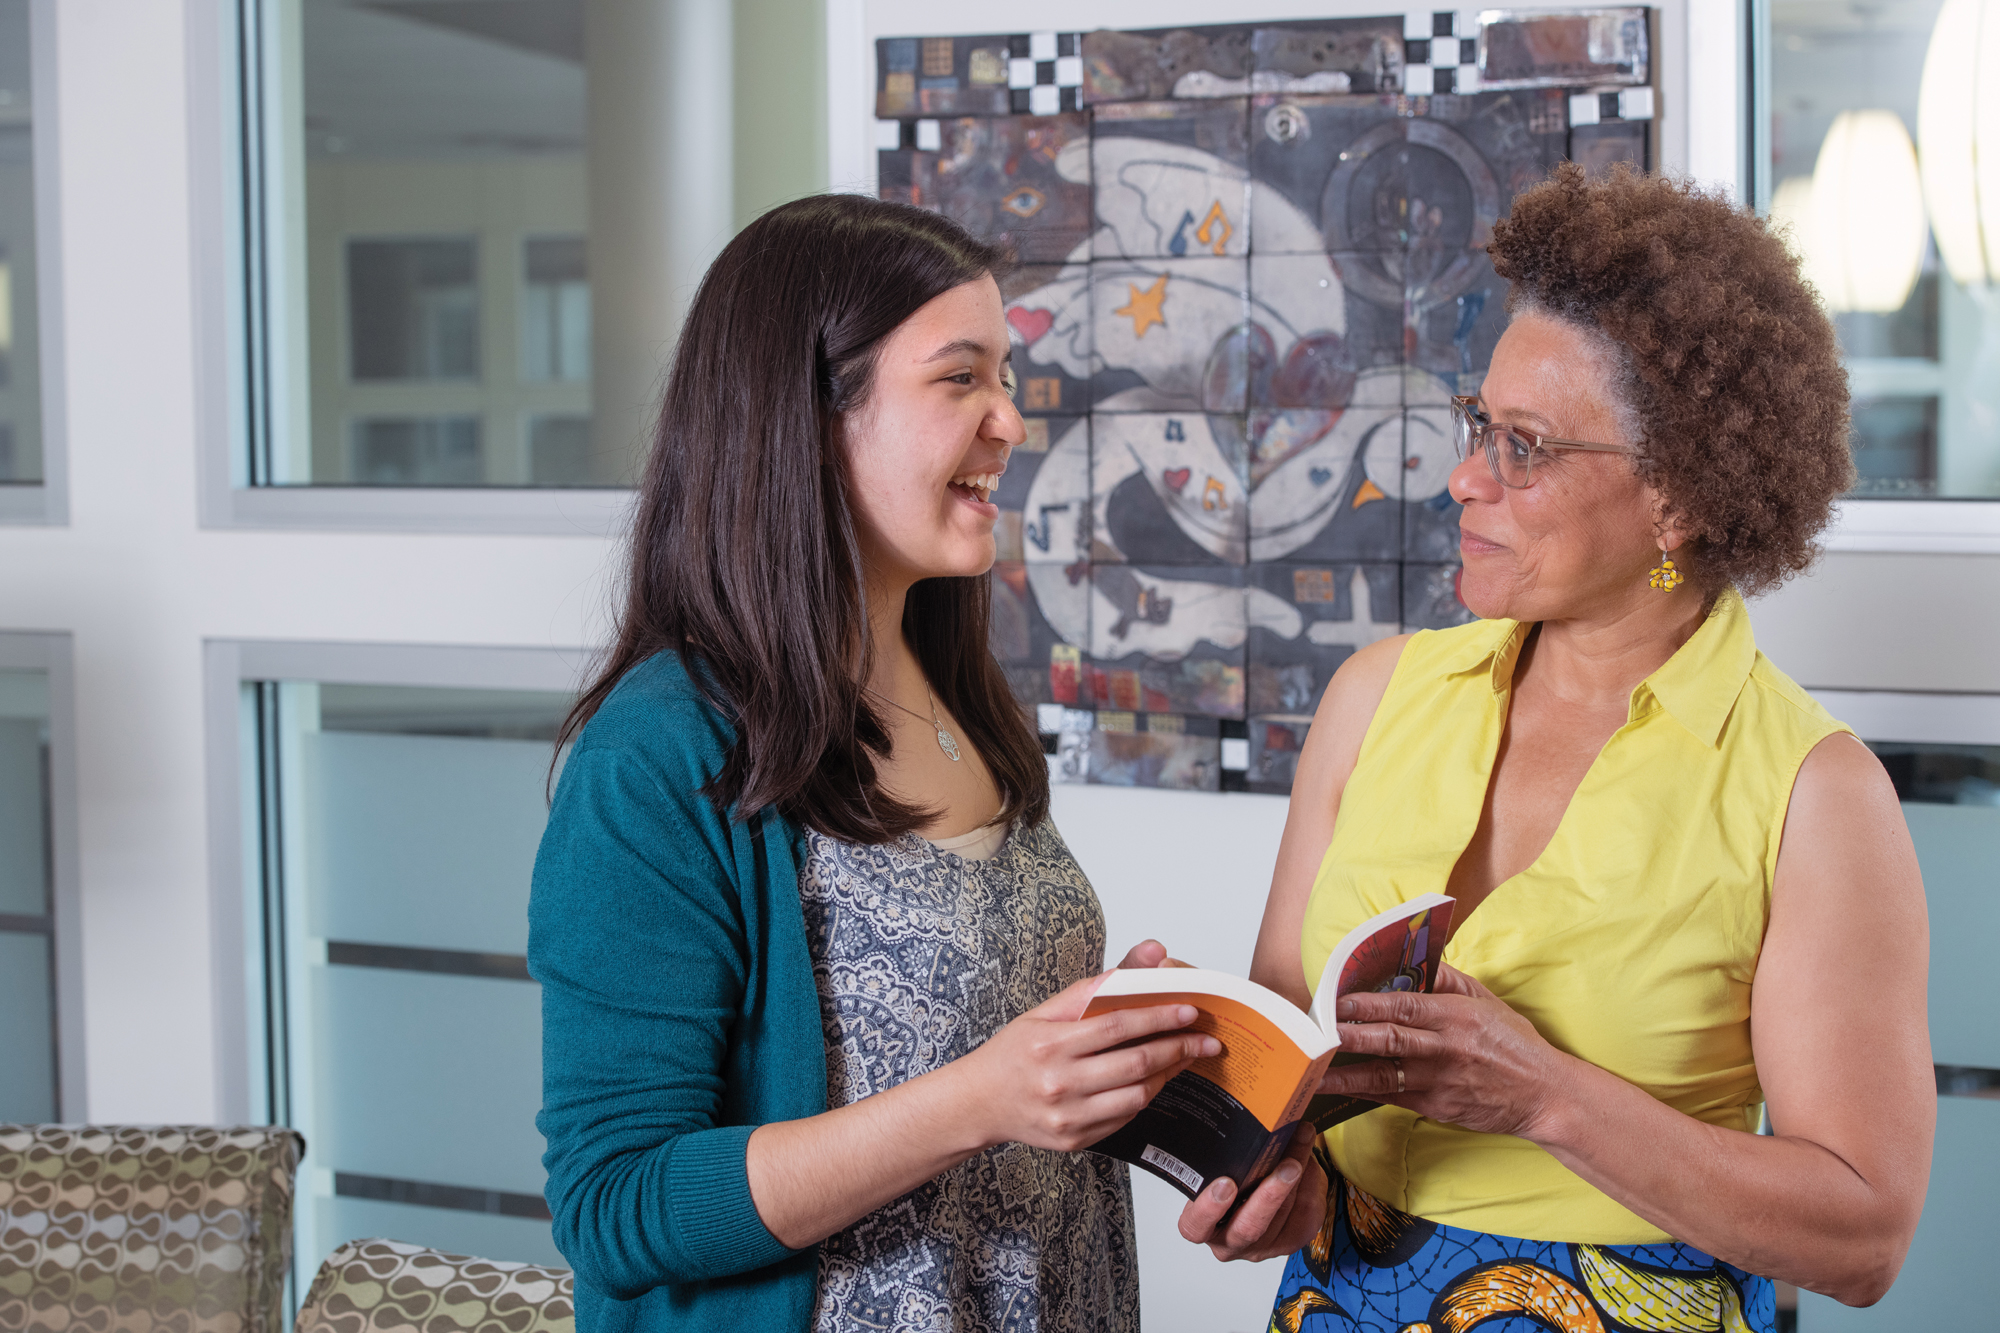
{"x": 1685, "y": 894}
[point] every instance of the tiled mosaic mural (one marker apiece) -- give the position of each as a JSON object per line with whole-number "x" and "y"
{"x": 1252, "y": 274}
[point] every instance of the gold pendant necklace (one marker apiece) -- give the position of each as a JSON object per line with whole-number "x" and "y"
{"x": 946, "y": 741}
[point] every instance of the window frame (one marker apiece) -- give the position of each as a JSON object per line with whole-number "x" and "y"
{"x": 255, "y": 933}
{"x": 1936, "y": 527}
{"x": 46, "y": 504}
{"x": 253, "y": 930}
{"x": 1964, "y": 525}
{"x": 1916, "y": 717}
{"x": 252, "y": 377}
{"x": 53, "y": 654}
{"x": 249, "y": 1047}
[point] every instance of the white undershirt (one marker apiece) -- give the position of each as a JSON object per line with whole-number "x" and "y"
{"x": 977, "y": 845}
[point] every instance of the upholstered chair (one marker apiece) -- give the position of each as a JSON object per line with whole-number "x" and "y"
{"x": 384, "y": 1286}
{"x": 145, "y": 1229}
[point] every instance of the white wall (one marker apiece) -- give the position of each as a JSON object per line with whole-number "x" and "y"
{"x": 1189, "y": 869}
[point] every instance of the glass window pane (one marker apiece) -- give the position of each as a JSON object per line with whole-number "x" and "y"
{"x": 410, "y": 818}
{"x": 413, "y": 309}
{"x": 1852, "y": 169}
{"x": 20, "y": 366}
{"x": 1951, "y": 800}
{"x": 416, "y": 451}
{"x": 438, "y": 183}
{"x": 447, "y": 301}
{"x": 1895, "y": 446}
{"x": 1910, "y": 331}
{"x": 555, "y": 311}
{"x": 27, "y": 926}
{"x": 27, "y": 1029}
{"x": 559, "y": 447}
{"x": 1942, "y": 774}
{"x": 24, "y": 839}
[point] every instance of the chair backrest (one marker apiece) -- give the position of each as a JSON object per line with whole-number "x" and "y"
{"x": 145, "y": 1228}
{"x": 385, "y": 1286}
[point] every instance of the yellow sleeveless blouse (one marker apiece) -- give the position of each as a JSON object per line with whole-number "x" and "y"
{"x": 1631, "y": 942}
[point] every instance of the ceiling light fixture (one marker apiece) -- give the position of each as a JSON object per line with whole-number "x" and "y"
{"x": 1865, "y": 228}
{"x": 1958, "y": 126}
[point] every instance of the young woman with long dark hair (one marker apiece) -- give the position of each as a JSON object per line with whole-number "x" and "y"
{"x": 812, "y": 954}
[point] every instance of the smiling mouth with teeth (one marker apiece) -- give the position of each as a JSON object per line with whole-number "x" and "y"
{"x": 980, "y": 484}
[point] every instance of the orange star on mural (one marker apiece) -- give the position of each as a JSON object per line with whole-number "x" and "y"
{"x": 1144, "y": 307}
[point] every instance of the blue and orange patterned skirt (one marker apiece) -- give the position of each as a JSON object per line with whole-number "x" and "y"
{"x": 1372, "y": 1269}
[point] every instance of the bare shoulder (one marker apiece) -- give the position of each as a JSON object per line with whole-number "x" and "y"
{"x": 1356, "y": 690}
{"x": 1345, "y": 711}
{"x": 1845, "y": 841}
{"x": 1841, "y": 783}
{"x": 1333, "y": 743}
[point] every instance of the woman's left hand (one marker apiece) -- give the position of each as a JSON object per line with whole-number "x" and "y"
{"x": 1466, "y": 1058}
{"x": 1281, "y": 1214}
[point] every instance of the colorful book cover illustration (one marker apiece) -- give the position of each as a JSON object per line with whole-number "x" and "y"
{"x": 1233, "y": 1114}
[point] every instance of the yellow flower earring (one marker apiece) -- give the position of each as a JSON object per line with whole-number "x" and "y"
{"x": 1666, "y": 578}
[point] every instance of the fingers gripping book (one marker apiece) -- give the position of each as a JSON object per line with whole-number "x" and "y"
{"x": 1233, "y": 1114}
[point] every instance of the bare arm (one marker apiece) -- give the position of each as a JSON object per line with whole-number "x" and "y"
{"x": 1339, "y": 725}
{"x": 1842, "y": 1046}
{"x": 1044, "y": 1079}
{"x": 1281, "y": 1215}
{"x": 1843, "y": 1053}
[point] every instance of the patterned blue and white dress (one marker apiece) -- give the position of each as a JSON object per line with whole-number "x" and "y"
{"x": 1375, "y": 1269}
{"x": 921, "y": 954}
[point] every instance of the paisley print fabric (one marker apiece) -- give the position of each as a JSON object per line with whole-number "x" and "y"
{"x": 383, "y": 1286}
{"x": 920, "y": 955}
{"x": 158, "y": 1229}
{"x": 1376, "y": 1269}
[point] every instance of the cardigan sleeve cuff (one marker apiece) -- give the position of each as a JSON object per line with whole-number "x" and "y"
{"x": 714, "y": 1217}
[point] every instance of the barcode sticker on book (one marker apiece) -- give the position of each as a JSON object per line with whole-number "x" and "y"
{"x": 1173, "y": 1166}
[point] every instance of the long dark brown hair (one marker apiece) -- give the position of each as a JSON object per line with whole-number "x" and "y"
{"x": 743, "y": 554}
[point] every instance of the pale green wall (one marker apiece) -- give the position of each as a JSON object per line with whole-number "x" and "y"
{"x": 780, "y": 103}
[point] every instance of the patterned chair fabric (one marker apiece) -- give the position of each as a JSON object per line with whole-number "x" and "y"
{"x": 145, "y": 1229}
{"x": 384, "y": 1286}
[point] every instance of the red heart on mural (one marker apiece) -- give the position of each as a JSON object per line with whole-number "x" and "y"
{"x": 1175, "y": 477}
{"x": 1030, "y": 324}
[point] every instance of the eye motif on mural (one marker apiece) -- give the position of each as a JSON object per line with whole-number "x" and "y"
{"x": 1252, "y": 275}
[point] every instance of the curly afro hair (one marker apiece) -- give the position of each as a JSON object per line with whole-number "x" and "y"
{"x": 1730, "y": 365}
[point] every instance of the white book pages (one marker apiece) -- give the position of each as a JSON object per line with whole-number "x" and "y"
{"x": 1300, "y": 1029}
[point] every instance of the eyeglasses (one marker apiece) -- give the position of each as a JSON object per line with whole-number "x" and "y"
{"x": 1510, "y": 451}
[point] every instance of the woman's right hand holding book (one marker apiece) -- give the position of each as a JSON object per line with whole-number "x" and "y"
{"x": 1050, "y": 1078}
{"x": 1055, "y": 1080}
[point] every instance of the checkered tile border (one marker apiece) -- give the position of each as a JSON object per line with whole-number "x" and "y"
{"x": 1441, "y": 55}
{"x": 1044, "y": 72}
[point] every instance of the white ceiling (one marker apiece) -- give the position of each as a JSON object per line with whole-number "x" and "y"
{"x": 443, "y": 78}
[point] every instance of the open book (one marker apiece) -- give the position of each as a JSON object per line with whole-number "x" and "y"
{"x": 1234, "y": 1114}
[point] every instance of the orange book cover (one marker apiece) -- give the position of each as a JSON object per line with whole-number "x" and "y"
{"x": 1233, "y": 1114}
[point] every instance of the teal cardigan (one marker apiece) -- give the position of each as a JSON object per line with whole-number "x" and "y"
{"x": 678, "y": 1013}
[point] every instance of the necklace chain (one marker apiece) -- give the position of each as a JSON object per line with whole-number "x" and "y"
{"x": 946, "y": 741}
